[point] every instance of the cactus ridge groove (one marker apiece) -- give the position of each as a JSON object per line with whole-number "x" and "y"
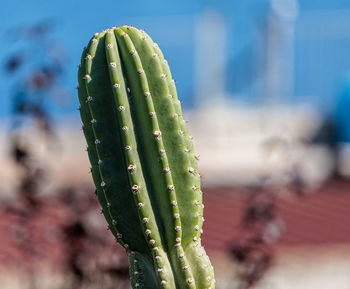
{"x": 142, "y": 160}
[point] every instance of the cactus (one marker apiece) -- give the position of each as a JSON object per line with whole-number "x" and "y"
{"x": 142, "y": 160}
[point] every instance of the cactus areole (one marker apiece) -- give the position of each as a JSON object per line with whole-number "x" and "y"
{"x": 142, "y": 160}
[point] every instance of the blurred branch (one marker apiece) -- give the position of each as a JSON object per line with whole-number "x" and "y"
{"x": 260, "y": 227}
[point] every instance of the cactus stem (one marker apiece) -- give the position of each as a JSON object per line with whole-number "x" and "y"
{"x": 153, "y": 182}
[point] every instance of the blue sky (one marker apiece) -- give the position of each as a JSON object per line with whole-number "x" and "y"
{"x": 171, "y": 24}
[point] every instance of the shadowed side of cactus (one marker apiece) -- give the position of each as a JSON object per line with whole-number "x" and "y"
{"x": 142, "y": 160}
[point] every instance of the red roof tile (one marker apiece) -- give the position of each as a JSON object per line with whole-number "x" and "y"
{"x": 317, "y": 218}
{"x": 322, "y": 217}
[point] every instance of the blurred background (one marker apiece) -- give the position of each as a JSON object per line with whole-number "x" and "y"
{"x": 265, "y": 87}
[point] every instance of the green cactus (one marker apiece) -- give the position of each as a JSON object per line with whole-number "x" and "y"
{"x": 142, "y": 159}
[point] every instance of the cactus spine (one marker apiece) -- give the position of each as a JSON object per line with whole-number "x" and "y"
{"x": 142, "y": 160}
